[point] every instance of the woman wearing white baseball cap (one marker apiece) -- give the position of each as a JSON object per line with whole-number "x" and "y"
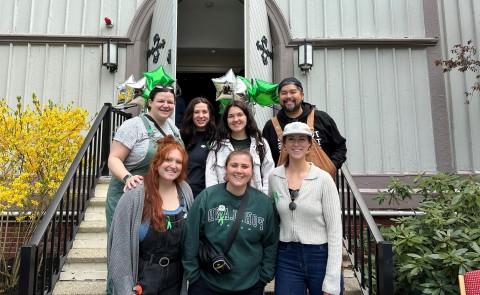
{"x": 310, "y": 247}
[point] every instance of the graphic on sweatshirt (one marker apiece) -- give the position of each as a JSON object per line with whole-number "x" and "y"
{"x": 222, "y": 214}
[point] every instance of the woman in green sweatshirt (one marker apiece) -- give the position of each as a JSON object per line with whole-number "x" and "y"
{"x": 254, "y": 249}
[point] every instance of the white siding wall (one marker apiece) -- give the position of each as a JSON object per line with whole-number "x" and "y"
{"x": 381, "y": 103}
{"x": 66, "y": 17}
{"x": 354, "y": 18}
{"x": 461, "y": 22}
{"x": 62, "y": 72}
{"x": 379, "y": 97}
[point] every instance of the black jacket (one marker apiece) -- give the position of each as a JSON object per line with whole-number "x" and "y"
{"x": 326, "y": 134}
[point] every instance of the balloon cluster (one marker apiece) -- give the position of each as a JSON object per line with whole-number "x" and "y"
{"x": 131, "y": 88}
{"x": 254, "y": 91}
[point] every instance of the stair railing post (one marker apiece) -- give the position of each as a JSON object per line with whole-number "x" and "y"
{"x": 384, "y": 261}
{"x": 28, "y": 272}
{"x": 106, "y": 138}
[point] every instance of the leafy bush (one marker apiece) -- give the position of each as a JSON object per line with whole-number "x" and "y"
{"x": 37, "y": 145}
{"x": 464, "y": 59}
{"x": 432, "y": 248}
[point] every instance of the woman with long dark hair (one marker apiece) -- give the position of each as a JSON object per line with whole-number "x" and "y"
{"x": 198, "y": 133}
{"x": 239, "y": 131}
{"x": 310, "y": 247}
{"x": 145, "y": 239}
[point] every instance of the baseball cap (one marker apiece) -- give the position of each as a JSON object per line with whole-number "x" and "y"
{"x": 297, "y": 128}
{"x": 289, "y": 81}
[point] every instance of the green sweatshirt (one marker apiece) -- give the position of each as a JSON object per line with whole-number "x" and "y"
{"x": 254, "y": 250}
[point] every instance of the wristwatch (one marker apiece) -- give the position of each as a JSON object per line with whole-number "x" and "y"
{"x": 126, "y": 177}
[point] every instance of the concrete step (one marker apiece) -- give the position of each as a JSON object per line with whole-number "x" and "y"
{"x": 80, "y": 288}
{"x": 91, "y": 215}
{"x": 84, "y": 271}
{"x": 97, "y": 226}
{"x": 101, "y": 189}
{"x": 95, "y": 213}
{"x": 98, "y": 202}
{"x": 90, "y": 241}
{"x": 87, "y": 255}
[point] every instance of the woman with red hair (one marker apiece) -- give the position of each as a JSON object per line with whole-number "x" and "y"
{"x": 145, "y": 238}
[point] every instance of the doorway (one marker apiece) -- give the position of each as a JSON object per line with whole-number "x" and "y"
{"x": 210, "y": 41}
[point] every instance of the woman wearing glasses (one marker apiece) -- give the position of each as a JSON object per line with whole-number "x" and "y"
{"x": 198, "y": 132}
{"x": 239, "y": 131}
{"x": 215, "y": 214}
{"x": 146, "y": 234}
{"x": 310, "y": 247}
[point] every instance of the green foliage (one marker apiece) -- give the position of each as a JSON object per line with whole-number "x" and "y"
{"x": 432, "y": 248}
{"x": 463, "y": 58}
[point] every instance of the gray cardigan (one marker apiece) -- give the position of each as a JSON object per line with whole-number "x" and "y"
{"x": 123, "y": 238}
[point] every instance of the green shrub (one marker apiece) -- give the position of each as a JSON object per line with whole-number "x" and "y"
{"x": 433, "y": 247}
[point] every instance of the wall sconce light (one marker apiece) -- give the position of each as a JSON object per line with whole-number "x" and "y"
{"x": 110, "y": 55}
{"x": 305, "y": 56}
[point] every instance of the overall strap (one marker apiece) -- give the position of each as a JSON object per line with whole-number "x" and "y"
{"x": 236, "y": 225}
{"x": 147, "y": 125}
{"x": 156, "y": 124}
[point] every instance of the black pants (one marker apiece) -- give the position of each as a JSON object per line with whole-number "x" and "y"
{"x": 200, "y": 287}
{"x": 158, "y": 280}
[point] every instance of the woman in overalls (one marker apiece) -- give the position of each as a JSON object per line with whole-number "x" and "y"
{"x": 134, "y": 145}
{"x": 145, "y": 239}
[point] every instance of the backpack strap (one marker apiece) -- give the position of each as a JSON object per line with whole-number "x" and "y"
{"x": 277, "y": 127}
{"x": 311, "y": 120}
{"x": 236, "y": 224}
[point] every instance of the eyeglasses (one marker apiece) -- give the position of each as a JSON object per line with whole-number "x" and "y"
{"x": 293, "y": 196}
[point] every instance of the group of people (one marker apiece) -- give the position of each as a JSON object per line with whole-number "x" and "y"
{"x": 176, "y": 195}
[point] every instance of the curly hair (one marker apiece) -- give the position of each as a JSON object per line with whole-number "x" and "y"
{"x": 152, "y": 209}
{"x": 251, "y": 128}
{"x": 189, "y": 129}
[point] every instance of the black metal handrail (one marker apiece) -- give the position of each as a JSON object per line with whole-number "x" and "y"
{"x": 43, "y": 257}
{"x": 370, "y": 254}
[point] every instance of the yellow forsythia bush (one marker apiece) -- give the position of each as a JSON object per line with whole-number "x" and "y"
{"x": 37, "y": 145}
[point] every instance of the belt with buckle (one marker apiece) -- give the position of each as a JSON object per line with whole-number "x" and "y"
{"x": 162, "y": 260}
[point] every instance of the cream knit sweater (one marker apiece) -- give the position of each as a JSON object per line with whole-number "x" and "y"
{"x": 315, "y": 221}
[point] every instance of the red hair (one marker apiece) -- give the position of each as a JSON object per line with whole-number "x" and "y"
{"x": 152, "y": 209}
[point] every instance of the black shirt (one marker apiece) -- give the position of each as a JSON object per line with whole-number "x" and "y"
{"x": 197, "y": 159}
{"x": 242, "y": 144}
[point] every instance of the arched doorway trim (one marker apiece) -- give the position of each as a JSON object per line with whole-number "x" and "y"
{"x": 278, "y": 24}
{"x": 138, "y": 33}
{"x": 141, "y": 20}
{"x": 140, "y": 27}
{"x": 280, "y": 33}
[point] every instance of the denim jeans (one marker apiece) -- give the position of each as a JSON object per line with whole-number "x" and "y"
{"x": 301, "y": 267}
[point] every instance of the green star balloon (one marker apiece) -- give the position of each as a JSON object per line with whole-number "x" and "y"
{"x": 251, "y": 87}
{"x": 265, "y": 93}
{"x": 154, "y": 78}
{"x": 146, "y": 93}
{"x": 158, "y": 77}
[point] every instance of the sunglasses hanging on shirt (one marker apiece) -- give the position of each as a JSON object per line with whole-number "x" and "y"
{"x": 293, "y": 196}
